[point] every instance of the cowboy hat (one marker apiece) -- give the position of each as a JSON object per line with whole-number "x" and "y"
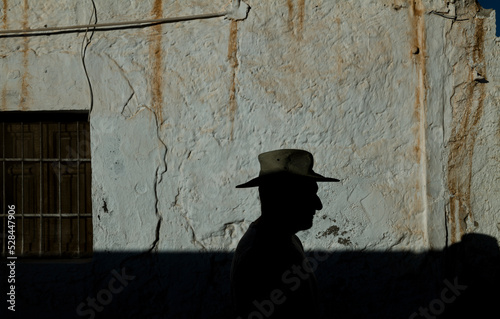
{"x": 286, "y": 163}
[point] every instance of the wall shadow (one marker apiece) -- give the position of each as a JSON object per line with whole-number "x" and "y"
{"x": 460, "y": 281}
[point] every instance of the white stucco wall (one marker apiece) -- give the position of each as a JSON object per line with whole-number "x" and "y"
{"x": 388, "y": 95}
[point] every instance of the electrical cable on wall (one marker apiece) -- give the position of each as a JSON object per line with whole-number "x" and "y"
{"x": 238, "y": 11}
{"x": 85, "y": 43}
{"x": 451, "y": 17}
{"x": 108, "y": 26}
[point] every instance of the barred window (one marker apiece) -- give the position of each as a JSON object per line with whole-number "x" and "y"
{"x": 45, "y": 172}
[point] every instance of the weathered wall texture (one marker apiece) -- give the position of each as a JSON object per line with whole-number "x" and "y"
{"x": 399, "y": 99}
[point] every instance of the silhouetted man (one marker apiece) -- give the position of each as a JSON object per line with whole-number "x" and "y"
{"x": 270, "y": 275}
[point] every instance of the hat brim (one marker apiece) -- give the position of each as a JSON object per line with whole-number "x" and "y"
{"x": 260, "y": 180}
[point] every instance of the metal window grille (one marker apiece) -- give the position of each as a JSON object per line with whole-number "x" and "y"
{"x": 46, "y": 174}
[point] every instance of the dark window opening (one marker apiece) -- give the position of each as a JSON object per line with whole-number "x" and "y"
{"x": 45, "y": 173}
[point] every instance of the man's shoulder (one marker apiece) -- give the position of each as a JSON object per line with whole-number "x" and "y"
{"x": 258, "y": 246}
{"x": 252, "y": 242}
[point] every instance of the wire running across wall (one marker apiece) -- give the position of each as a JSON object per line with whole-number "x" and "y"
{"x": 238, "y": 11}
{"x": 85, "y": 43}
{"x": 106, "y": 26}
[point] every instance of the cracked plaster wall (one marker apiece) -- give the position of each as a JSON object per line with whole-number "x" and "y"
{"x": 389, "y": 96}
{"x": 181, "y": 111}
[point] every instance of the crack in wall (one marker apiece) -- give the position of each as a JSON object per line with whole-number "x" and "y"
{"x": 158, "y": 179}
{"x": 189, "y": 226}
{"x": 123, "y": 73}
{"x": 160, "y": 170}
{"x": 154, "y": 245}
{"x": 176, "y": 198}
{"x": 126, "y": 105}
{"x": 194, "y": 239}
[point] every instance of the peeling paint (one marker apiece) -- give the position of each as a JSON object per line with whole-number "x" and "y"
{"x": 463, "y": 138}
{"x": 156, "y": 56}
{"x": 345, "y": 241}
{"x": 232, "y": 51}
{"x": 105, "y": 207}
{"x": 332, "y": 230}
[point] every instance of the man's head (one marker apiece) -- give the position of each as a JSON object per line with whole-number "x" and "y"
{"x": 287, "y": 188}
{"x": 290, "y": 203}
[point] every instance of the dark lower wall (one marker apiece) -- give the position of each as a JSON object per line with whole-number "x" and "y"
{"x": 461, "y": 281}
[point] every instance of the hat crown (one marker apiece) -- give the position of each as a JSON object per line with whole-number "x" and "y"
{"x": 297, "y": 162}
{"x": 277, "y": 164}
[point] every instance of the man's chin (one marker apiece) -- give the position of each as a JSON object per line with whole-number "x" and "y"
{"x": 306, "y": 225}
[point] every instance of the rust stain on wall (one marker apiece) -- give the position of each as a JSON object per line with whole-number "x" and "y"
{"x": 418, "y": 41}
{"x": 300, "y": 18}
{"x": 232, "y": 57}
{"x": 156, "y": 56}
{"x": 418, "y": 51}
{"x": 4, "y": 16}
{"x": 301, "y": 13}
{"x": 468, "y": 110}
{"x": 289, "y": 4}
{"x": 25, "y": 50}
